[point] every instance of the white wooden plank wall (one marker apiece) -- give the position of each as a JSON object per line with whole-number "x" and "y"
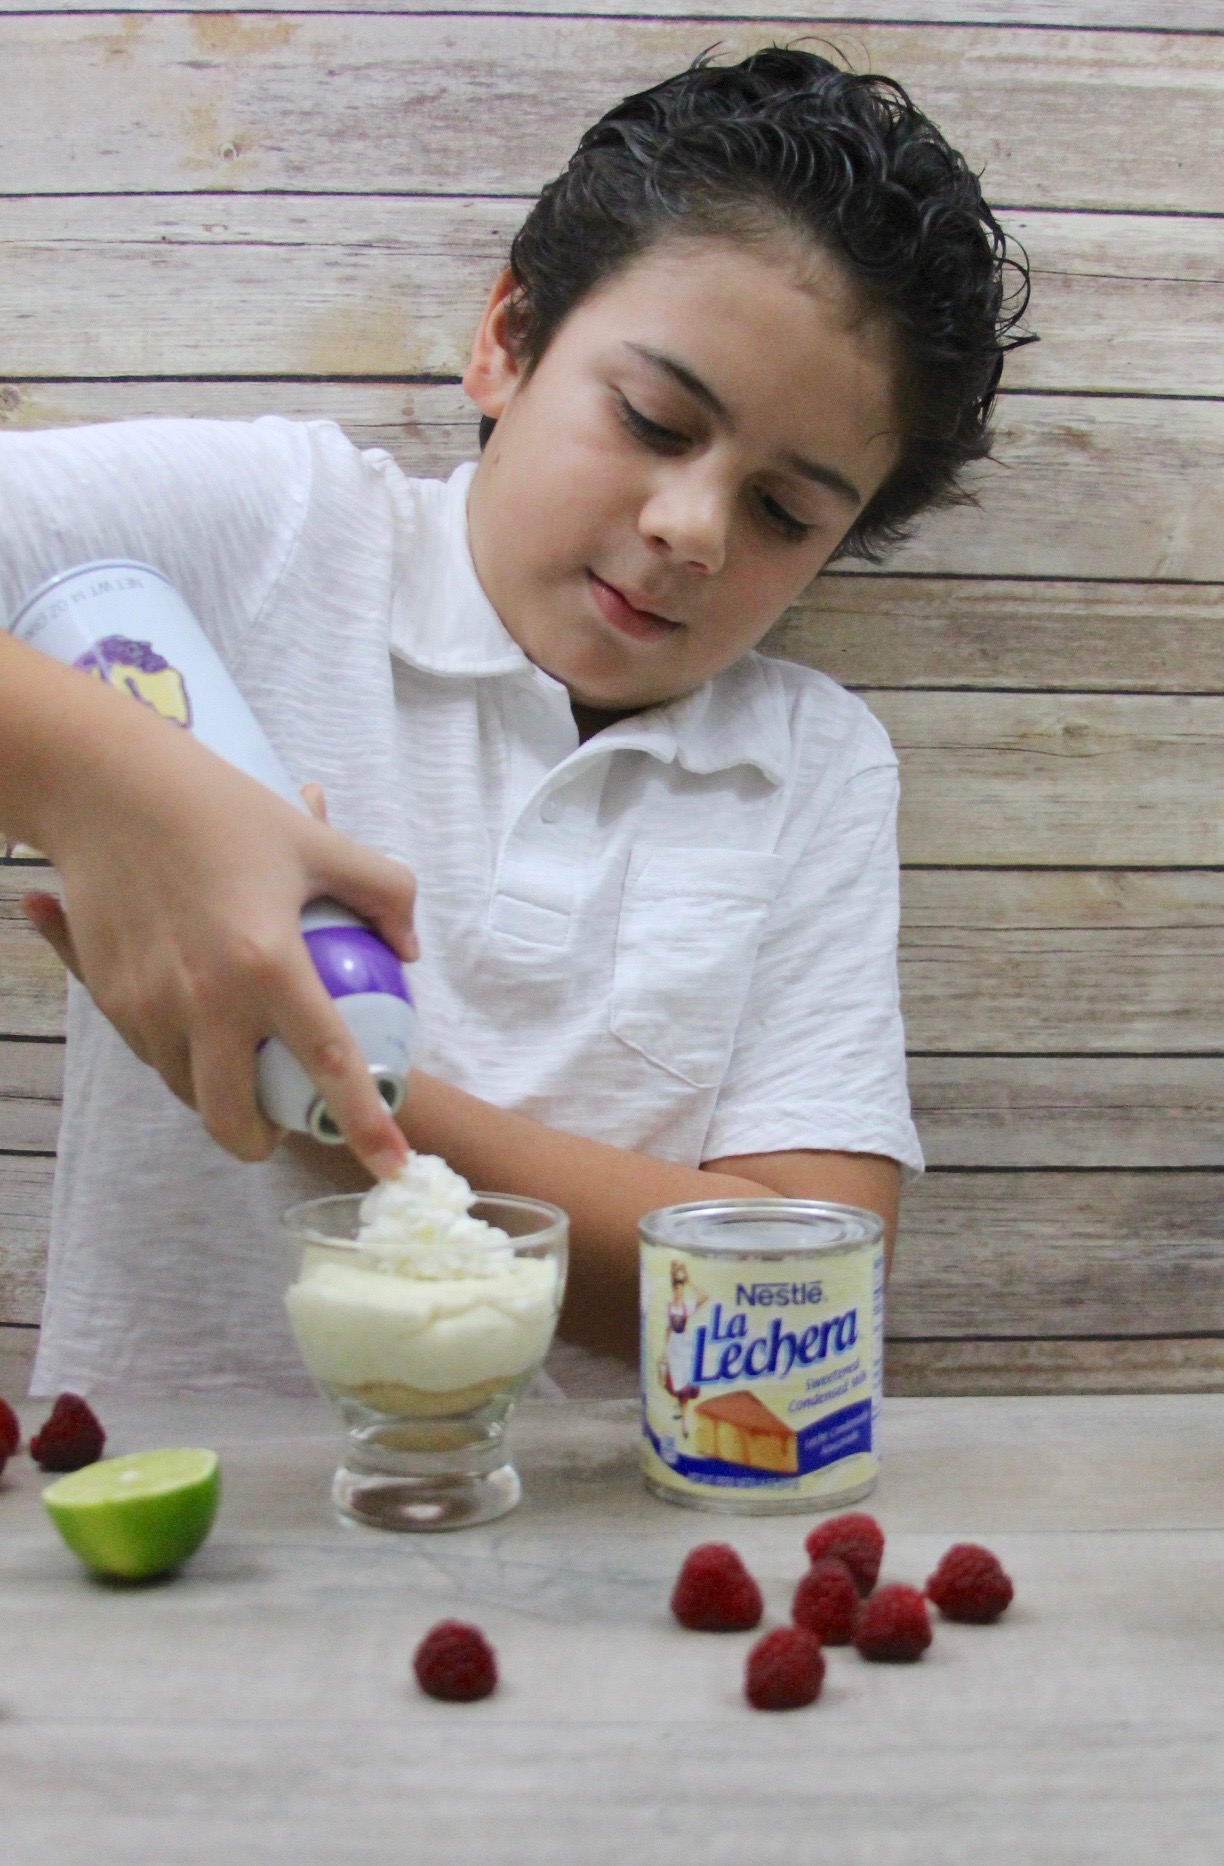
{"x": 228, "y": 212}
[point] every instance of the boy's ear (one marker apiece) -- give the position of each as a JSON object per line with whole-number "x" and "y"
{"x": 492, "y": 372}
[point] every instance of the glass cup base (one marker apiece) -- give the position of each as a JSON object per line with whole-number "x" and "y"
{"x": 437, "y": 1501}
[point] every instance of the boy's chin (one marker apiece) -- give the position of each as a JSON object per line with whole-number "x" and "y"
{"x": 619, "y": 693}
{"x": 598, "y": 690}
{"x": 597, "y": 677}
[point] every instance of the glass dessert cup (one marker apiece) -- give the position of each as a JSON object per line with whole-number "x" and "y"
{"x": 424, "y": 1372}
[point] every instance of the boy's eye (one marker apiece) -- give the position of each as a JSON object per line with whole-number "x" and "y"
{"x": 792, "y": 527}
{"x": 649, "y": 430}
{"x": 656, "y": 436}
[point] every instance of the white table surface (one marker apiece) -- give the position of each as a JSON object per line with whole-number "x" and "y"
{"x": 260, "y": 1707}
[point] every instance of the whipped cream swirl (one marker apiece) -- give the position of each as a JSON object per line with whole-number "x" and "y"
{"x": 420, "y": 1224}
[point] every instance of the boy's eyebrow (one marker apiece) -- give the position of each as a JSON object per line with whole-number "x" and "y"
{"x": 701, "y": 392}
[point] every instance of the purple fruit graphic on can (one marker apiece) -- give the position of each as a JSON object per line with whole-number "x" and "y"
{"x": 135, "y": 667}
{"x": 125, "y": 624}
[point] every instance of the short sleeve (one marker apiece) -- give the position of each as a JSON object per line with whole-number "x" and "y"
{"x": 819, "y": 1055}
{"x": 216, "y": 506}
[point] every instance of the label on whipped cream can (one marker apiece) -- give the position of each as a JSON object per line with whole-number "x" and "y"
{"x": 762, "y": 1353}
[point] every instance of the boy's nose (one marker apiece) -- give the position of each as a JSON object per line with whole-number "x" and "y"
{"x": 689, "y": 516}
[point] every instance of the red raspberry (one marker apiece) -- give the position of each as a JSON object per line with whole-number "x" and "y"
{"x": 969, "y": 1584}
{"x": 826, "y": 1601}
{"x": 856, "y": 1539}
{"x": 893, "y": 1624}
{"x": 455, "y": 1662}
{"x": 10, "y": 1432}
{"x": 70, "y": 1437}
{"x": 784, "y": 1670}
{"x": 714, "y": 1592}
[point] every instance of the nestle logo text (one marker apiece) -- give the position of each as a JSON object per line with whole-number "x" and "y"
{"x": 777, "y": 1295}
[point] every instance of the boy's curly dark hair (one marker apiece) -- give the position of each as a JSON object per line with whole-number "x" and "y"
{"x": 787, "y": 140}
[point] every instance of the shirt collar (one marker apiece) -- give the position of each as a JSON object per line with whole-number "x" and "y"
{"x": 441, "y": 619}
{"x": 443, "y": 623}
{"x": 738, "y": 718}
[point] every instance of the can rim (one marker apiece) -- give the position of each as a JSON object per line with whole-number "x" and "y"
{"x": 80, "y": 570}
{"x": 678, "y": 1226}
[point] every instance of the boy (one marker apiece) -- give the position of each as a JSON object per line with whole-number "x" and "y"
{"x": 757, "y": 323}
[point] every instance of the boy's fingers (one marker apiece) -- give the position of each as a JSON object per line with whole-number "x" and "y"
{"x": 175, "y": 1069}
{"x": 315, "y": 801}
{"x": 223, "y": 1087}
{"x": 46, "y": 915}
{"x": 224, "y": 1078}
{"x": 380, "y": 890}
{"x": 310, "y": 1026}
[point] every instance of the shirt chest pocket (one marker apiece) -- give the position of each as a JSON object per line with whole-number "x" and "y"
{"x": 690, "y": 924}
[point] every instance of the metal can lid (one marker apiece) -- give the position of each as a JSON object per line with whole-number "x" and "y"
{"x": 761, "y": 1227}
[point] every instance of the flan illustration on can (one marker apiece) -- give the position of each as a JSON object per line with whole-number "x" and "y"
{"x": 762, "y": 1353}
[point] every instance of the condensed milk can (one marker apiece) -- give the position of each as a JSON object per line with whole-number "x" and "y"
{"x": 762, "y": 1353}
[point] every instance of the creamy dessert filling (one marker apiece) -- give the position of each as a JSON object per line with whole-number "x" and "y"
{"x": 429, "y": 1309}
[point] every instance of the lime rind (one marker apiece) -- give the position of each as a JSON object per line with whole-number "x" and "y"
{"x": 138, "y": 1515}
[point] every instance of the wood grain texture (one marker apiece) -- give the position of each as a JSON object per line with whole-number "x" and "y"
{"x": 1088, "y": 486}
{"x": 429, "y": 427}
{"x": 1046, "y": 963}
{"x": 1059, "y": 963}
{"x": 1112, "y": 293}
{"x": 1180, "y": 1364}
{"x": 905, "y": 631}
{"x": 1192, "y": 15}
{"x": 1041, "y": 1254}
{"x": 31, "y": 1086}
{"x": 1083, "y": 486}
{"x": 1099, "y": 780}
{"x": 1029, "y": 1254}
{"x": 18, "y": 1347}
{"x": 25, "y": 1213}
{"x": 210, "y": 101}
{"x": 982, "y": 1111}
{"x": 33, "y": 993}
{"x": 246, "y": 286}
{"x": 1081, "y": 1111}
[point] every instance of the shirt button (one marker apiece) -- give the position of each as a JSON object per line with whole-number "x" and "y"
{"x": 550, "y": 810}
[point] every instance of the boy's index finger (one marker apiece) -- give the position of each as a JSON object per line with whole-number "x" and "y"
{"x": 312, "y": 1029}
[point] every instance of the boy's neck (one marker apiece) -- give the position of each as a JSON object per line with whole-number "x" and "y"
{"x": 592, "y": 719}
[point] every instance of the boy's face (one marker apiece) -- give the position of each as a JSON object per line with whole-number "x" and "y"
{"x": 635, "y": 562}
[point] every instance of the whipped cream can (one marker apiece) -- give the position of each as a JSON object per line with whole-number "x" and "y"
{"x": 762, "y": 1353}
{"x": 124, "y": 623}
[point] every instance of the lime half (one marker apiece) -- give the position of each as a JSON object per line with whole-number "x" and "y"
{"x": 139, "y": 1515}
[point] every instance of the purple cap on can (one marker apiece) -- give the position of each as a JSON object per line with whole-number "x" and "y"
{"x": 352, "y": 959}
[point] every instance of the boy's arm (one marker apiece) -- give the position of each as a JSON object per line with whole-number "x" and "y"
{"x": 606, "y": 1190}
{"x": 184, "y": 933}
{"x": 870, "y": 1180}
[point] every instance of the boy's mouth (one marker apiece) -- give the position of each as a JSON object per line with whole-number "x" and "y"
{"x": 624, "y": 616}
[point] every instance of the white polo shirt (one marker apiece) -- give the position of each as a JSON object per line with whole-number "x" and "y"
{"x": 679, "y": 937}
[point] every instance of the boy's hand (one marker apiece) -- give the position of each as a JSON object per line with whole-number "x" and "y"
{"x": 182, "y": 891}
